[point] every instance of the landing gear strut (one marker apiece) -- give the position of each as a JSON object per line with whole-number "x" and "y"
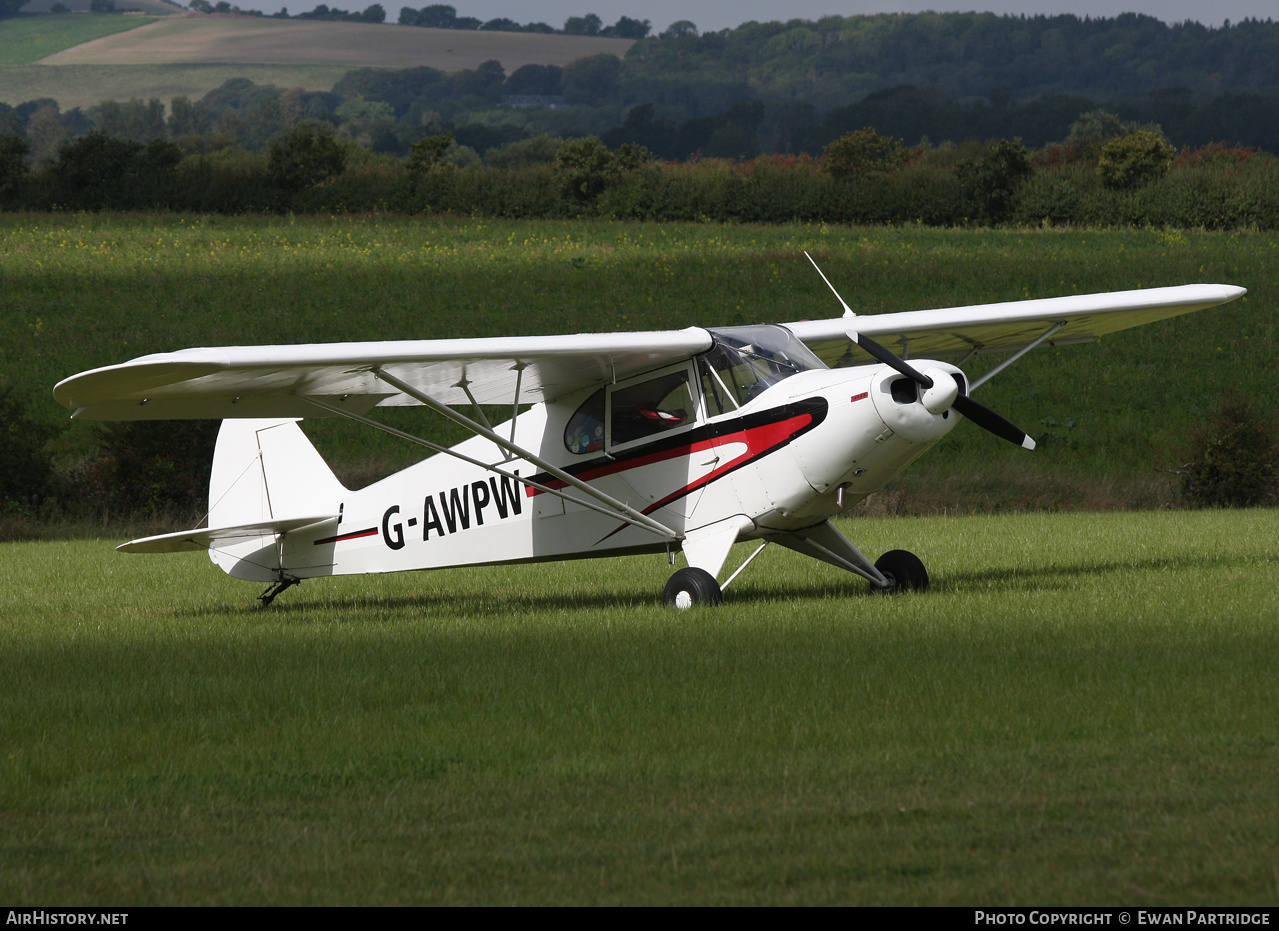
{"x": 692, "y": 586}
{"x": 904, "y": 570}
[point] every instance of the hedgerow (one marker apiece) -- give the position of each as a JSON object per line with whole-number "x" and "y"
{"x": 991, "y": 184}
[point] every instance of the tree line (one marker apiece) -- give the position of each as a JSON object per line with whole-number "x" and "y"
{"x": 784, "y": 88}
{"x": 387, "y": 111}
{"x": 432, "y": 16}
{"x": 1107, "y": 173}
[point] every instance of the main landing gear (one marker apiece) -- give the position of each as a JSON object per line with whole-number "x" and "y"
{"x": 902, "y": 570}
{"x": 691, "y": 586}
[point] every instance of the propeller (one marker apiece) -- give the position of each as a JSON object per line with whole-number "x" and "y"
{"x": 936, "y": 398}
{"x": 975, "y": 411}
{"x": 992, "y": 422}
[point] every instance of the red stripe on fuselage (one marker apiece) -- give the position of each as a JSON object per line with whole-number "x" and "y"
{"x": 355, "y": 535}
{"x": 760, "y": 441}
{"x": 626, "y": 465}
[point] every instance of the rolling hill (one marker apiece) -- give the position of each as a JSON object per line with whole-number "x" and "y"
{"x": 192, "y": 54}
{"x": 150, "y": 7}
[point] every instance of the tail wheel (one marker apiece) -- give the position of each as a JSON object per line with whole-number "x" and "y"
{"x": 903, "y": 570}
{"x": 691, "y": 586}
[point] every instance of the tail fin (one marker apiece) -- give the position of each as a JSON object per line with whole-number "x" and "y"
{"x": 265, "y": 471}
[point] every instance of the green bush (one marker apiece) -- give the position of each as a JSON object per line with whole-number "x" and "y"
{"x": 785, "y": 189}
{"x": 372, "y": 189}
{"x": 1232, "y": 458}
{"x": 1055, "y": 195}
{"x": 310, "y": 170}
{"x": 862, "y": 152}
{"x": 1257, "y": 193}
{"x": 991, "y": 180}
{"x": 583, "y": 167}
{"x": 13, "y": 167}
{"x": 707, "y": 189}
{"x": 1197, "y": 198}
{"x": 525, "y": 194}
{"x": 100, "y": 172}
{"x": 228, "y": 181}
{"x": 631, "y": 194}
{"x": 305, "y": 156}
{"x": 1135, "y": 160}
{"x": 26, "y": 471}
{"x": 151, "y": 468}
{"x": 923, "y": 194}
{"x": 525, "y": 153}
{"x": 427, "y": 154}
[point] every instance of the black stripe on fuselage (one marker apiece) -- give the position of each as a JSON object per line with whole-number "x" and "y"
{"x": 816, "y": 407}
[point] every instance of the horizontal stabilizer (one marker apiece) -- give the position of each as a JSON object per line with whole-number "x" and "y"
{"x": 207, "y": 538}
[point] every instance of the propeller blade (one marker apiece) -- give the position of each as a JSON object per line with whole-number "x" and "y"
{"x": 975, "y": 411}
{"x": 887, "y": 357}
{"x": 987, "y": 419}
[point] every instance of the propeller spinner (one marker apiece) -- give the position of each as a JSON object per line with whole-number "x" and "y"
{"x": 938, "y": 396}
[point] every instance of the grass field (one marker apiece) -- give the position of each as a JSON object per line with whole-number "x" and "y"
{"x": 160, "y": 7}
{"x": 87, "y": 291}
{"x": 24, "y": 40}
{"x": 192, "y": 55}
{"x": 256, "y": 40}
{"x": 1082, "y": 710}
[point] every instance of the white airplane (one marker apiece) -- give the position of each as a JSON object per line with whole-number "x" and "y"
{"x": 678, "y": 440}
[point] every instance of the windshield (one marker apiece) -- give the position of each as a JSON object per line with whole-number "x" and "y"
{"x": 747, "y": 359}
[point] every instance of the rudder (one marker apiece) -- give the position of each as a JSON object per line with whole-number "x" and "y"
{"x": 265, "y": 470}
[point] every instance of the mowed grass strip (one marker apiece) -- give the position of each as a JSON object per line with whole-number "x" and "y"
{"x": 25, "y": 40}
{"x": 1082, "y": 710}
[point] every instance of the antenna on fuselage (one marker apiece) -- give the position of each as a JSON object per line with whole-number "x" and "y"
{"x": 848, "y": 311}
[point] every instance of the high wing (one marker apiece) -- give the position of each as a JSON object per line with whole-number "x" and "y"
{"x": 954, "y": 331}
{"x": 275, "y": 381}
{"x": 272, "y": 381}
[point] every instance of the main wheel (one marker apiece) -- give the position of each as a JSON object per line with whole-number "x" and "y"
{"x": 691, "y": 586}
{"x": 904, "y": 570}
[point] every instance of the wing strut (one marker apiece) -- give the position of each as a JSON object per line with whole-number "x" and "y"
{"x": 475, "y": 405}
{"x": 1015, "y": 356}
{"x": 614, "y": 507}
{"x": 479, "y": 429}
{"x": 515, "y": 405}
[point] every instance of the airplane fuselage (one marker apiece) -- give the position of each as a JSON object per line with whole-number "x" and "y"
{"x": 790, "y": 457}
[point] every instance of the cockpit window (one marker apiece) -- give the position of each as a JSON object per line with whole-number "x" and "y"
{"x": 650, "y": 407}
{"x": 746, "y": 360}
{"x": 585, "y": 430}
{"x": 742, "y": 363}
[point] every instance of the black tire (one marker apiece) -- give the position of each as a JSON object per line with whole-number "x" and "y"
{"x": 904, "y": 570}
{"x": 689, "y": 587}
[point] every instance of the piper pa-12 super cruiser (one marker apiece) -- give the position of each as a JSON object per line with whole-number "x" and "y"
{"x": 680, "y": 440}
